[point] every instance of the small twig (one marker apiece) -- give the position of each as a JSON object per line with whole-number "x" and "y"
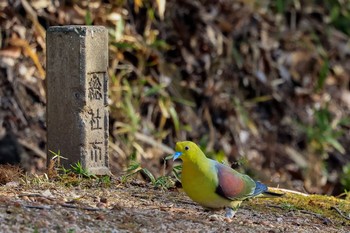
{"x": 150, "y": 141}
{"x": 340, "y": 213}
{"x": 324, "y": 219}
{"x": 29, "y": 195}
{"x": 35, "y": 195}
{"x": 311, "y": 213}
{"x": 188, "y": 203}
{"x": 117, "y": 149}
{"x": 38, "y": 207}
{"x": 79, "y": 207}
{"x": 276, "y": 206}
{"x": 33, "y": 148}
{"x": 288, "y": 191}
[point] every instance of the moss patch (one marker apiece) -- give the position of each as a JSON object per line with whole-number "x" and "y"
{"x": 327, "y": 207}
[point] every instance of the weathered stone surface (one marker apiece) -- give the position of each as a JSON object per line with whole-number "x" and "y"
{"x": 77, "y": 88}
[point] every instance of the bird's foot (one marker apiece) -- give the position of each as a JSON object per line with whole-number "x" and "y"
{"x": 230, "y": 213}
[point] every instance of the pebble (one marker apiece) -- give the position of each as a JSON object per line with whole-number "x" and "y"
{"x": 214, "y": 217}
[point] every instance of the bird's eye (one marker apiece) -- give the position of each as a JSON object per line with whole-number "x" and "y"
{"x": 187, "y": 148}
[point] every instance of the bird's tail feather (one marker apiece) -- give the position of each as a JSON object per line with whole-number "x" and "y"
{"x": 272, "y": 194}
{"x": 261, "y": 188}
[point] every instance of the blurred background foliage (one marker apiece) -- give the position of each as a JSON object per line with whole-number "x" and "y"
{"x": 263, "y": 85}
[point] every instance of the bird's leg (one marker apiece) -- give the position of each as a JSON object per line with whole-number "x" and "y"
{"x": 232, "y": 209}
{"x": 230, "y": 213}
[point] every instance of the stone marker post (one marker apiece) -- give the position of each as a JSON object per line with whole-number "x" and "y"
{"x": 77, "y": 87}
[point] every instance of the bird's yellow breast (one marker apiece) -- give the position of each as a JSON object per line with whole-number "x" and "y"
{"x": 199, "y": 183}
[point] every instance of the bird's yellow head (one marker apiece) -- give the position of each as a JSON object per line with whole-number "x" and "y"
{"x": 187, "y": 150}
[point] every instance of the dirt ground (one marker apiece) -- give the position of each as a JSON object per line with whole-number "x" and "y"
{"x": 139, "y": 207}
